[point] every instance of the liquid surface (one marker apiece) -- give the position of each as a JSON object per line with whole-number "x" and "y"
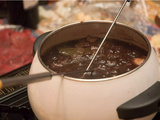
{"x": 114, "y": 58}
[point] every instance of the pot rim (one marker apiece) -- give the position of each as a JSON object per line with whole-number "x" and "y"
{"x": 101, "y": 79}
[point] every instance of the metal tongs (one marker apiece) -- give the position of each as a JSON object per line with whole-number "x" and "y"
{"x": 119, "y": 12}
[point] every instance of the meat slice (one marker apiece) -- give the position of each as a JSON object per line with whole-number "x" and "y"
{"x": 16, "y": 49}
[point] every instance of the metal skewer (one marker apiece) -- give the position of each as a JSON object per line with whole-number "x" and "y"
{"x": 24, "y": 80}
{"x": 120, "y": 10}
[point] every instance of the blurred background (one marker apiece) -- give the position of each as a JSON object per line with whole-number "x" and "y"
{"x": 25, "y": 19}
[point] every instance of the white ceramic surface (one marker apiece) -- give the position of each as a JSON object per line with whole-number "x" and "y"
{"x": 64, "y": 99}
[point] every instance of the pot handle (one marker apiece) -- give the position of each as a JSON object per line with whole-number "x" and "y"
{"x": 38, "y": 41}
{"x": 142, "y": 105}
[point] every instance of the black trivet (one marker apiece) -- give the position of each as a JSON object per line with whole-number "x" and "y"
{"x": 14, "y": 103}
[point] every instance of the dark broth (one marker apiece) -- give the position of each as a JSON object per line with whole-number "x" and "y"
{"x": 114, "y": 58}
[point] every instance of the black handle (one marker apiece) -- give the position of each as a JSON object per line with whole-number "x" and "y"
{"x": 38, "y": 42}
{"x": 24, "y": 80}
{"x": 142, "y": 105}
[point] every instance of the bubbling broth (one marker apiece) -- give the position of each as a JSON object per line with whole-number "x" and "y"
{"x": 114, "y": 58}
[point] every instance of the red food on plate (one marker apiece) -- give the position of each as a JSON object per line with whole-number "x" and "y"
{"x": 16, "y": 49}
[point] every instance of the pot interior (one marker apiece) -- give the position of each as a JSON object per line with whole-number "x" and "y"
{"x": 97, "y": 29}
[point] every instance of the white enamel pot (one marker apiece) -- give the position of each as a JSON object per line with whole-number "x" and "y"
{"x": 66, "y": 98}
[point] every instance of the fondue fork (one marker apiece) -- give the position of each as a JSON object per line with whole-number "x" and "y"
{"x": 120, "y": 10}
{"x": 25, "y": 80}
